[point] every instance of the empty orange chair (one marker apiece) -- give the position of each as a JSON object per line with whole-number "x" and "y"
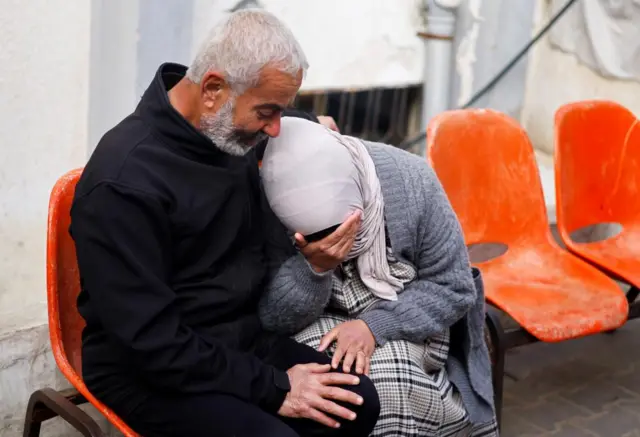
{"x": 487, "y": 166}
{"x": 65, "y": 326}
{"x": 597, "y": 166}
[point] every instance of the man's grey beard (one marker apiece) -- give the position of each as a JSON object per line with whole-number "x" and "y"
{"x": 219, "y": 128}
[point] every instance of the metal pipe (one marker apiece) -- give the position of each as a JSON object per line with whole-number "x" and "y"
{"x": 441, "y": 26}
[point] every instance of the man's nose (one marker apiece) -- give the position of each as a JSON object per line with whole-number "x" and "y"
{"x": 273, "y": 127}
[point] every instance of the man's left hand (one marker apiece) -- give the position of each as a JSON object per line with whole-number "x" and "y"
{"x": 354, "y": 341}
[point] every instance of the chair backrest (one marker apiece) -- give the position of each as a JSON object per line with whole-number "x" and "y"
{"x": 63, "y": 287}
{"x": 487, "y": 166}
{"x": 597, "y": 164}
{"x": 63, "y": 282}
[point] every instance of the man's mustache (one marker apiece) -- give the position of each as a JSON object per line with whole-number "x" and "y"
{"x": 249, "y": 137}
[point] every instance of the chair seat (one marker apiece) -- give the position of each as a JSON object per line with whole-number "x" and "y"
{"x": 552, "y": 294}
{"x": 618, "y": 255}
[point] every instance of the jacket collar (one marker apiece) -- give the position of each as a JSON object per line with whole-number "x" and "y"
{"x": 171, "y": 127}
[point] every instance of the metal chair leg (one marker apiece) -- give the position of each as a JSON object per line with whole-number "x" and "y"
{"x": 497, "y": 349}
{"x": 48, "y": 403}
{"x": 632, "y": 294}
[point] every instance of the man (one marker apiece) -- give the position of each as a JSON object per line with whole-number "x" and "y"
{"x": 170, "y": 238}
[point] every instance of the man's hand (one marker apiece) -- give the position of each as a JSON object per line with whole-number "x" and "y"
{"x": 327, "y": 254}
{"x": 355, "y": 342}
{"x": 329, "y": 122}
{"x": 312, "y": 387}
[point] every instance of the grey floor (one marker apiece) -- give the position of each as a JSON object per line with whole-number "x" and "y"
{"x": 585, "y": 387}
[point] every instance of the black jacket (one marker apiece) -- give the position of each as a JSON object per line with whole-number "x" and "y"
{"x": 169, "y": 240}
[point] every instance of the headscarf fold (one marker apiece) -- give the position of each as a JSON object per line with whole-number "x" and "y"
{"x": 315, "y": 178}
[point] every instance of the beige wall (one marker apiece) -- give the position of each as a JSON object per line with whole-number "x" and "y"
{"x": 44, "y": 73}
{"x": 44, "y": 80}
{"x": 555, "y": 78}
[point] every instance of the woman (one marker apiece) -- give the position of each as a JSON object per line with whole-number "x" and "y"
{"x": 402, "y": 305}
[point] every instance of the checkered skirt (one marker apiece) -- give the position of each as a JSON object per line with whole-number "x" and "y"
{"x": 416, "y": 396}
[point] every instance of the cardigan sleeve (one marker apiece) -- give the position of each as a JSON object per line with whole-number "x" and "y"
{"x": 295, "y": 295}
{"x": 443, "y": 291}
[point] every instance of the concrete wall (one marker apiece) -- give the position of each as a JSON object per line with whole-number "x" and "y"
{"x": 44, "y": 64}
{"x": 556, "y": 78}
{"x": 553, "y": 79}
{"x": 489, "y": 34}
{"x": 44, "y": 84}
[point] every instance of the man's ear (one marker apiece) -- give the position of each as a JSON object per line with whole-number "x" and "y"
{"x": 214, "y": 88}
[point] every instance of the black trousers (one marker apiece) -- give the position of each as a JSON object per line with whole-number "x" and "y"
{"x": 215, "y": 415}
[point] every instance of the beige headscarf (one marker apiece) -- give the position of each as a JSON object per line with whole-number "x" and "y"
{"x": 315, "y": 178}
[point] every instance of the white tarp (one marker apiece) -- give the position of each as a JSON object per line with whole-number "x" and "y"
{"x": 603, "y": 34}
{"x": 350, "y": 43}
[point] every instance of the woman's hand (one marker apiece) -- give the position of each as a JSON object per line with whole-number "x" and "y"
{"x": 329, "y": 122}
{"x": 354, "y": 341}
{"x": 327, "y": 254}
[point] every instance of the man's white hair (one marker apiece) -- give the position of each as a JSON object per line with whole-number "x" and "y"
{"x": 243, "y": 44}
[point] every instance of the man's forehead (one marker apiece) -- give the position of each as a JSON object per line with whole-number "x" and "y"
{"x": 278, "y": 85}
{"x": 273, "y": 98}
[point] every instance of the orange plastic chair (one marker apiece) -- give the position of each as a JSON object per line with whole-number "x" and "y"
{"x": 65, "y": 327}
{"x": 487, "y": 166}
{"x": 597, "y": 166}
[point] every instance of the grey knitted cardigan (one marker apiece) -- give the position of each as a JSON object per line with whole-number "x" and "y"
{"x": 425, "y": 233}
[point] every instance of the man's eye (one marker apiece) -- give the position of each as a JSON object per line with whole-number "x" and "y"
{"x": 265, "y": 115}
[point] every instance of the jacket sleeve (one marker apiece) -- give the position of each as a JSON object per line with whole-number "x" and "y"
{"x": 122, "y": 239}
{"x": 443, "y": 291}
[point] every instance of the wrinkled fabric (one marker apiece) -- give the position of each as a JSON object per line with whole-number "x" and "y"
{"x": 603, "y": 34}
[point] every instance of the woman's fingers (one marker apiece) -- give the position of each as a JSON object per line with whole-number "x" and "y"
{"x": 300, "y": 240}
{"x": 344, "y": 230}
{"x": 361, "y": 362}
{"x": 345, "y": 247}
{"x": 347, "y": 241}
{"x": 328, "y": 338}
{"x": 337, "y": 356}
{"x": 349, "y": 358}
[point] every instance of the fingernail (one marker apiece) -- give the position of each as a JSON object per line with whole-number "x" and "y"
{"x": 353, "y": 416}
{"x": 360, "y": 401}
{"x": 356, "y": 380}
{"x": 337, "y": 425}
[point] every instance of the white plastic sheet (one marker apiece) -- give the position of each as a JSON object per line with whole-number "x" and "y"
{"x": 602, "y": 34}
